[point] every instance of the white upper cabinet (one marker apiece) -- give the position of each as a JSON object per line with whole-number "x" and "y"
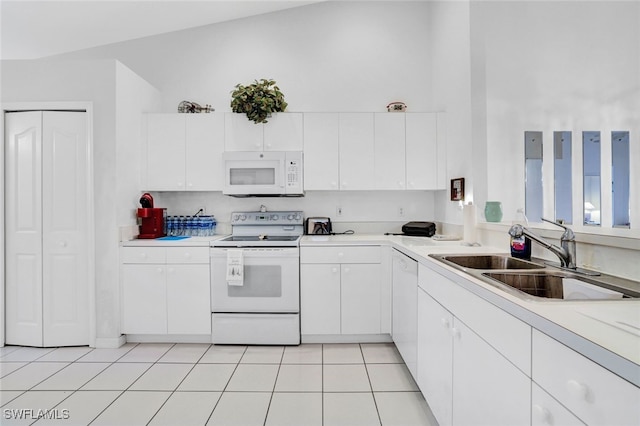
{"x": 389, "y": 151}
{"x": 379, "y": 151}
{"x": 356, "y": 149}
{"x": 423, "y": 163}
{"x": 204, "y": 148}
{"x": 282, "y": 132}
{"x": 183, "y": 152}
{"x": 321, "y": 160}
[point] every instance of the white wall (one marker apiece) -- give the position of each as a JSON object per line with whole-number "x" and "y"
{"x": 334, "y": 56}
{"x": 331, "y": 56}
{"x": 362, "y": 211}
{"x": 133, "y": 96}
{"x": 557, "y": 66}
{"x": 94, "y": 81}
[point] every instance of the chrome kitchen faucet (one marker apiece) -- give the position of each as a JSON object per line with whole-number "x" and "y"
{"x": 566, "y": 253}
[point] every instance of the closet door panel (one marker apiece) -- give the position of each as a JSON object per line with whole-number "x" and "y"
{"x": 23, "y": 228}
{"x": 65, "y": 207}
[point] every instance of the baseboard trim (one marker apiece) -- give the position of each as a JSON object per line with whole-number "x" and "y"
{"x": 346, "y": 338}
{"x": 110, "y": 342}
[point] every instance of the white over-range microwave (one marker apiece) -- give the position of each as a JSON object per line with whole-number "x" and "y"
{"x": 263, "y": 174}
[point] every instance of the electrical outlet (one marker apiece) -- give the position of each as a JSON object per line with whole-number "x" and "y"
{"x": 338, "y": 211}
{"x": 401, "y": 211}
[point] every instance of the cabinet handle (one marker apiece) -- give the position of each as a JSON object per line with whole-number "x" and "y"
{"x": 159, "y": 270}
{"x": 187, "y": 255}
{"x": 344, "y": 184}
{"x": 400, "y": 184}
{"x": 346, "y": 270}
{"x": 257, "y": 145}
{"x": 190, "y": 184}
{"x": 334, "y": 270}
{"x": 63, "y": 243}
{"x": 171, "y": 270}
{"x": 334, "y": 184}
{"x": 444, "y": 322}
{"x": 143, "y": 255}
{"x": 542, "y": 414}
{"x": 268, "y": 146}
{"x": 456, "y": 333}
{"x": 340, "y": 254}
{"x": 578, "y": 390}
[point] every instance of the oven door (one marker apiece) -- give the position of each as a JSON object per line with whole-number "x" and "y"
{"x": 270, "y": 284}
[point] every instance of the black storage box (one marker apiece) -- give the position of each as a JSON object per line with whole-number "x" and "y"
{"x": 419, "y": 229}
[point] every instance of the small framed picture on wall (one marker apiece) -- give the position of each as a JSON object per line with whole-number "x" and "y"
{"x": 457, "y": 189}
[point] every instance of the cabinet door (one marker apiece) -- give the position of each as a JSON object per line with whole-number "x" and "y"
{"x": 320, "y": 299}
{"x": 144, "y": 299}
{"x": 356, "y": 151}
{"x": 487, "y": 389}
{"x": 242, "y": 134}
{"x": 435, "y": 356}
{"x": 422, "y": 151}
{"x": 360, "y": 296}
{"x": 165, "y": 152}
{"x": 405, "y": 308}
{"x": 321, "y": 161}
{"x": 547, "y": 411}
{"x": 283, "y": 132}
{"x": 188, "y": 299}
{"x": 204, "y": 148}
{"x": 389, "y": 151}
{"x": 596, "y": 395}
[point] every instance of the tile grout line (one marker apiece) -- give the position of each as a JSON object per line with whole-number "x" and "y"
{"x": 227, "y": 384}
{"x": 178, "y": 385}
{"x": 373, "y": 396}
{"x": 128, "y": 387}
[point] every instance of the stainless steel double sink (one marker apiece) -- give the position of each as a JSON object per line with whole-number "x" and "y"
{"x": 533, "y": 280}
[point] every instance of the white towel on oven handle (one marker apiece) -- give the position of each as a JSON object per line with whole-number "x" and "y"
{"x": 235, "y": 267}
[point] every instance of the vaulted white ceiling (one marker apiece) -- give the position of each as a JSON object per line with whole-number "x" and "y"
{"x": 35, "y": 29}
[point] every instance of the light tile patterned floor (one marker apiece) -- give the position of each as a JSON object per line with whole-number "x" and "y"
{"x": 200, "y": 384}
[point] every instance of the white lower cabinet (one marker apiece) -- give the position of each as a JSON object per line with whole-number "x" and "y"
{"x": 435, "y": 357}
{"x": 165, "y": 290}
{"x": 487, "y": 388}
{"x": 405, "y": 307}
{"x": 465, "y": 380}
{"x": 342, "y": 291}
{"x": 546, "y": 411}
{"x": 595, "y": 395}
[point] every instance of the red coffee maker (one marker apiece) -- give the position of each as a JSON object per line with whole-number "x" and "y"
{"x": 150, "y": 219}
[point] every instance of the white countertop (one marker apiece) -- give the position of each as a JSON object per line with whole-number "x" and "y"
{"x": 184, "y": 242}
{"x": 608, "y": 332}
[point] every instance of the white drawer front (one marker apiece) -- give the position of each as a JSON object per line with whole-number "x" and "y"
{"x": 335, "y": 254}
{"x": 594, "y": 394}
{"x": 143, "y": 255}
{"x": 187, "y": 254}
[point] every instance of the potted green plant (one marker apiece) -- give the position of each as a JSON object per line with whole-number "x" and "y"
{"x": 258, "y": 100}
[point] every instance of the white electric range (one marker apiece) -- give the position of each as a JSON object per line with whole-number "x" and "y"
{"x": 255, "y": 280}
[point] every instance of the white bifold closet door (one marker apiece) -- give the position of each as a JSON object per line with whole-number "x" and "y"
{"x": 46, "y": 228}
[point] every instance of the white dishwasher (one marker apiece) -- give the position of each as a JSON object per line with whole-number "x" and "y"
{"x": 405, "y": 308}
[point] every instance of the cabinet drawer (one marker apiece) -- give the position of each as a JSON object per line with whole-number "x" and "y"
{"x": 187, "y": 254}
{"x": 143, "y": 255}
{"x": 594, "y": 394}
{"x": 347, "y": 254}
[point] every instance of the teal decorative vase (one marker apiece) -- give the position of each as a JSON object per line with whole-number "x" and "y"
{"x": 493, "y": 211}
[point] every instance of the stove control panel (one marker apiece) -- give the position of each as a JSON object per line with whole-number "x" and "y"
{"x": 267, "y": 218}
